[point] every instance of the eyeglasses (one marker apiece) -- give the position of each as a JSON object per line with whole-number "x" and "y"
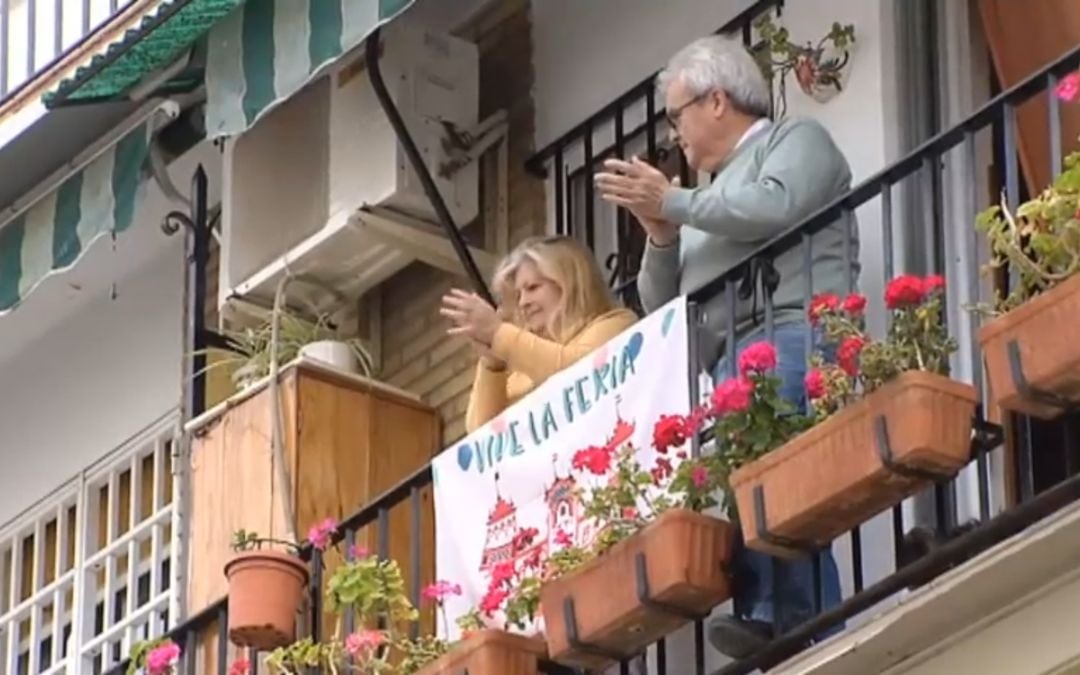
{"x": 675, "y": 114}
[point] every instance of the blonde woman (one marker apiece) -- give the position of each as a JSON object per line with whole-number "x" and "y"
{"x": 554, "y": 309}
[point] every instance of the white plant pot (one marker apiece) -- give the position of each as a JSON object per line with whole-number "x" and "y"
{"x": 333, "y": 353}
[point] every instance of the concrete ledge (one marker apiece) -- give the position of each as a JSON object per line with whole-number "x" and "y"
{"x": 1002, "y": 582}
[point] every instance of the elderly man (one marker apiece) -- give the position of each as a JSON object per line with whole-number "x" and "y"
{"x": 769, "y": 177}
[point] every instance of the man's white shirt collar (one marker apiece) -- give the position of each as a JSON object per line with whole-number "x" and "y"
{"x": 760, "y": 125}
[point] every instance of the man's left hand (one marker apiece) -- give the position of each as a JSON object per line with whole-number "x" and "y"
{"x": 634, "y": 185}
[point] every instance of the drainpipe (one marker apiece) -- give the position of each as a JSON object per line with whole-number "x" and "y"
{"x": 371, "y": 51}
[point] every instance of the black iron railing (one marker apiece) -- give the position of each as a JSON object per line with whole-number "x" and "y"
{"x": 50, "y": 31}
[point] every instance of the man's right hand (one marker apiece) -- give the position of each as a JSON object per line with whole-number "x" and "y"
{"x": 661, "y": 232}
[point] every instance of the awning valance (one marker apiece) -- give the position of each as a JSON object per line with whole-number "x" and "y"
{"x": 54, "y": 232}
{"x": 155, "y": 43}
{"x": 268, "y": 50}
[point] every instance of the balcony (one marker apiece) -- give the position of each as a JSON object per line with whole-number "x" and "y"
{"x": 1016, "y": 496}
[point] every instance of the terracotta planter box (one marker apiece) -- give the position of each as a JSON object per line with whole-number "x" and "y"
{"x": 683, "y": 558}
{"x": 833, "y": 476}
{"x": 490, "y": 652}
{"x": 1042, "y": 331}
{"x": 265, "y": 590}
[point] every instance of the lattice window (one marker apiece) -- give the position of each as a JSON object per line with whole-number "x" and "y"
{"x": 91, "y": 563}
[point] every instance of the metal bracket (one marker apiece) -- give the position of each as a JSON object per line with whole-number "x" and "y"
{"x": 985, "y": 435}
{"x": 645, "y": 597}
{"x": 574, "y": 640}
{"x": 771, "y": 538}
{"x": 884, "y": 449}
{"x": 1020, "y": 381}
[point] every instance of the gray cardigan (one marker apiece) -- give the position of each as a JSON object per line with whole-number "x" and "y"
{"x": 773, "y": 181}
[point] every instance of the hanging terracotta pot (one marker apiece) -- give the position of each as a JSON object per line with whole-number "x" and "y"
{"x": 490, "y": 652}
{"x": 668, "y": 574}
{"x": 265, "y": 590}
{"x": 1032, "y": 356}
{"x": 865, "y": 458}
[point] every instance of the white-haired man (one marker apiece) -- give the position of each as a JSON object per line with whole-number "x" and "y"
{"x": 769, "y": 177}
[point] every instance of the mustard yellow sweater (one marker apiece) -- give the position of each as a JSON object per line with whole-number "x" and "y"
{"x": 530, "y": 360}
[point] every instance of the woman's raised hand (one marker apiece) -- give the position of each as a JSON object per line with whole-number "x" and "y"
{"x": 472, "y": 316}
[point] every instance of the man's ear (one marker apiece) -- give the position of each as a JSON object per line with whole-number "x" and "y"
{"x": 718, "y": 103}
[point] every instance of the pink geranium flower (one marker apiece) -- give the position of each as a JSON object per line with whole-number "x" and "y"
{"x": 759, "y": 357}
{"x": 162, "y": 659}
{"x": 732, "y": 396}
{"x": 364, "y": 641}
{"x": 1069, "y": 87}
{"x": 322, "y": 533}
{"x": 439, "y": 590}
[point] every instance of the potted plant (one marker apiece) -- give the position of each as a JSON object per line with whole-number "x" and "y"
{"x": 1032, "y": 364}
{"x": 656, "y": 563}
{"x": 373, "y": 591}
{"x": 821, "y": 70}
{"x": 887, "y": 421}
{"x": 266, "y": 587}
{"x": 251, "y": 348}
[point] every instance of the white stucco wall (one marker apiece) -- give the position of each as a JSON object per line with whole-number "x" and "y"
{"x": 587, "y": 53}
{"x": 91, "y": 382}
{"x": 94, "y": 354}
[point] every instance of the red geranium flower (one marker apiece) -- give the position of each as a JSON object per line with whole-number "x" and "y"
{"x": 493, "y": 600}
{"x": 662, "y": 470}
{"x": 815, "y": 384}
{"x": 759, "y": 357}
{"x": 847, "y": 354}
{"x": 933, "y": 283}
{"x": 670, "y": 432}
{"x": 855, "y": 304}
{"x": 502, "y": 573}
{"x": 904, "y": 291}
{"x": 823, "y": 302}
{"x": 732, "y": 396}
{"x": 594, "y": 458}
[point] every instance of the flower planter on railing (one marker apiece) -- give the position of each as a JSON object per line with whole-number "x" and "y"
{"x": 1032, "y": 355}
{"x": 868, "y": 456}
{"x": 490, "y": 652}
{"x": 671, "y": 572}
{"x": 1032, "y": 360}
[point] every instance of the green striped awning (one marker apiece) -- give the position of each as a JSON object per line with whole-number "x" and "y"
{"x": 54, "y": 232}
{"x": 268, "y": 50}
{"x": 154, "y": 43}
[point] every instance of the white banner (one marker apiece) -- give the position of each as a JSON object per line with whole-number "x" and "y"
{"x": 515, "y": 472}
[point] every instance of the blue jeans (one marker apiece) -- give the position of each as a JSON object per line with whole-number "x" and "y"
{"x": 757, "y": 595}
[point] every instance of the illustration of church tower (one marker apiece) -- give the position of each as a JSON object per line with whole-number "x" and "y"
{"x": 501, "y": 528}
{"x": 565, "y": 511}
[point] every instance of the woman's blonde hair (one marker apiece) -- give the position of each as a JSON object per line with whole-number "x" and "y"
{"x": 584, "y": 295}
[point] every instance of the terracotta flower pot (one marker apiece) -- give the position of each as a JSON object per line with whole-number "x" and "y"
{"x": 1049, "y": 356}
{"x": 265, "y": 589}
{"x": 867, "y": 457}
{"x": 490, "y": 652}
{"x": 645, "y": 587}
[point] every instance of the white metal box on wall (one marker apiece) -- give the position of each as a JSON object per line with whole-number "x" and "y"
{"x": 295, "y": 183}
